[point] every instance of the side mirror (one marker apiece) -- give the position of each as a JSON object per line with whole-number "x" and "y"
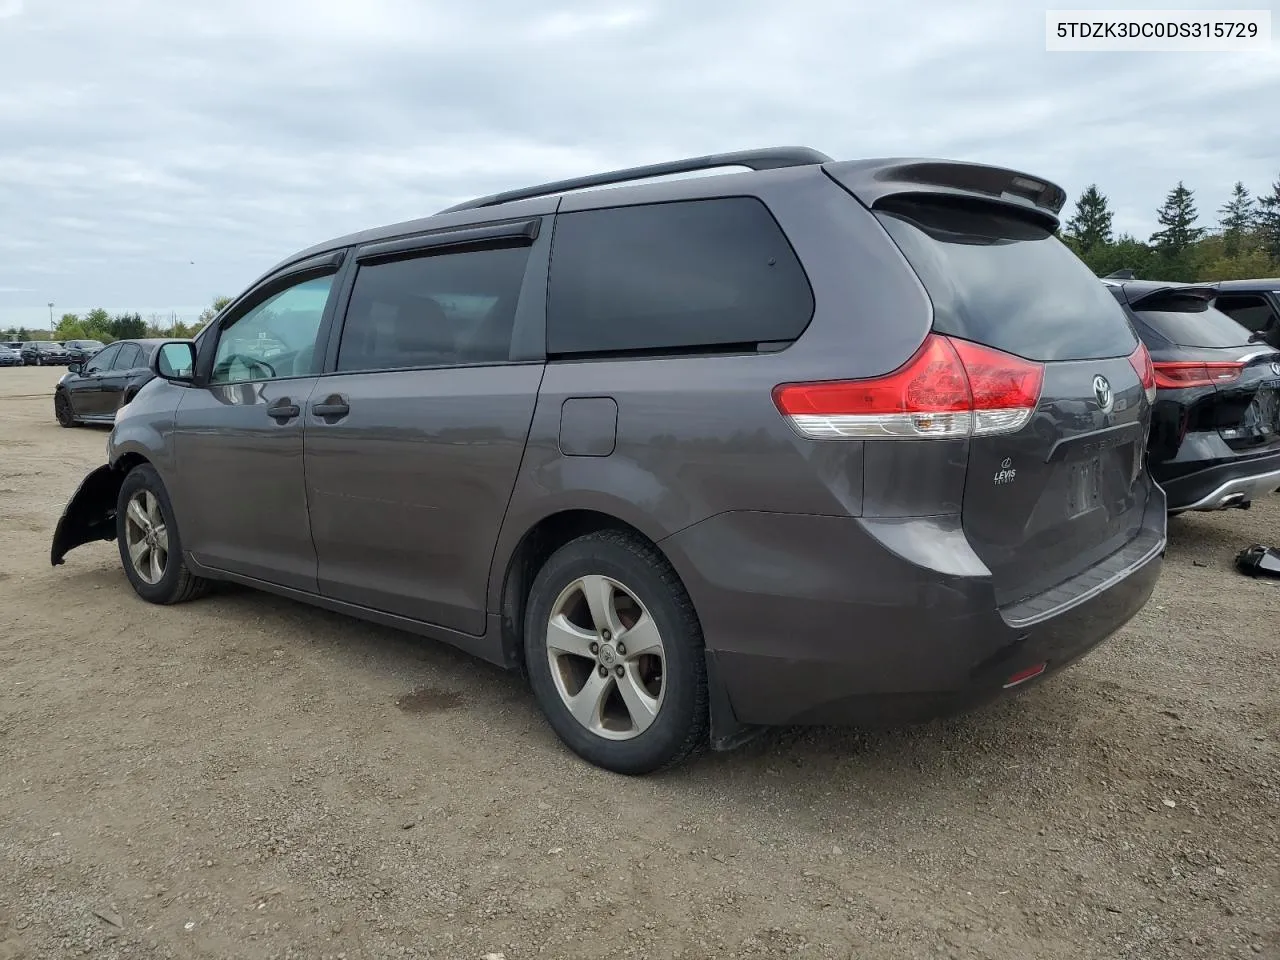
{"x": 175, "y": 361}
{"x": 73, "y": 368}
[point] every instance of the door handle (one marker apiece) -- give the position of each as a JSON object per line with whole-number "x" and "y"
{"x": 283, "y": 410}
{"x": 331, "y": 407}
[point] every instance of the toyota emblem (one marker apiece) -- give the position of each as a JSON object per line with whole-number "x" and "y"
{"x": 1275, "y": 367}
{"x": 1102, "y": 390}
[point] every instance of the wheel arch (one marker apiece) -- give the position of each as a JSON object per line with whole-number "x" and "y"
{"x": 534, "y": 548}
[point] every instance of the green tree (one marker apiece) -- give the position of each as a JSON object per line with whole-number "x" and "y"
{"x": 128, "y": 326}
{"x": 1239, "y": 215}
{"x": 1268, "y": 221}
{"x": 211, "y": 311}
{"x": 71, "y": 327}
{"x": 1090, "y": 227}
{"x": 1177, "y": 217}
{"x": 97, "y": 325}
{"x": 1126, "y": 253}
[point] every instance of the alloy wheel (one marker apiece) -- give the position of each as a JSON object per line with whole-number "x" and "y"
{"x": 607, "y": 658}
{"x": 146, "y": 536}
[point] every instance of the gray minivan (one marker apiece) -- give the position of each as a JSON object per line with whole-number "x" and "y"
{"x": 814, "y": 442}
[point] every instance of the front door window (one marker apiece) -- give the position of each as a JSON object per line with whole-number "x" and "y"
{"x": 276, "y": 338}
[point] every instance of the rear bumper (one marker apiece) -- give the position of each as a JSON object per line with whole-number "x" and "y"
{"x": 1223, "y": 484}
{"x": 879, "y": 623}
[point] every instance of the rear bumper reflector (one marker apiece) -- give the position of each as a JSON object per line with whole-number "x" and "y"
{"x": 1022, "y": 676}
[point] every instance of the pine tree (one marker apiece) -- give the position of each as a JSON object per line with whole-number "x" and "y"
{"x": 1178, "y": 217}
{"x": 1268, "y": 221}
{"x": 1239, "y": 215}
{"x": 1090, "y": 227}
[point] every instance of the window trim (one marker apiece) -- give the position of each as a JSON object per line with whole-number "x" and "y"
{"x": 334, "y": 264}
{"x": 528, "y": 333}
{"x": 522, "y": 232}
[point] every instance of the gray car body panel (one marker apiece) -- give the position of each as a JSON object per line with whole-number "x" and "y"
{"x": 821, "y": 572}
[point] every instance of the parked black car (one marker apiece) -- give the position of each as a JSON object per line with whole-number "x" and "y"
{"x": 1254, "y": 304}
{"x": 82, "y": 351}
{"x": 44, "y": 353}
{"x": 92, "y": 393}
{"x": 10, "y": 357}
{"x": 1215, "y": 429}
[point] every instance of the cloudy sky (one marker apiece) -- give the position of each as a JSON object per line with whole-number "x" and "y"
{"x": 155, "y": 153}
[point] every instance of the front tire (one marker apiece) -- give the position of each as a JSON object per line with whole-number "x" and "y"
{"x": 62, "y": 410}
{"x": 615, "y": 655}
{"x": 150, "y": 547}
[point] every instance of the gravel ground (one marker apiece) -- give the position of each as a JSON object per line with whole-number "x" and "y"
{"x": 248, "y": 777}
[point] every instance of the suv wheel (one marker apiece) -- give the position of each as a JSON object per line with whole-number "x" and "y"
{"x": 62, "y": 410}
{"x": 150, "y": 548}
{"x": 615, "y": 655}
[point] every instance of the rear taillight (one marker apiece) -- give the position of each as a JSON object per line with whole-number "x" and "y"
{"x": 1181, "y": 374}
{"x": 1140, "y": 360}
{"x": 949, "y": 388}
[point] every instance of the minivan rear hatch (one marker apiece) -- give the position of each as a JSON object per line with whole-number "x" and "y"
{"x": 1047, "y": 498}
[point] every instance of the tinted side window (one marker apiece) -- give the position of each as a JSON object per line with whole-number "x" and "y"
{"x": 674, "y": 277}
{"x": 102, "y": 361}
{"x": 437, "y": 310}
{"x": 130, "y": 356}
{"x": 1007, "y": 282}
{"x": 1249, "y": 311}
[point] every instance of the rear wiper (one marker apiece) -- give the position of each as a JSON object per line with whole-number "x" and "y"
{"x": 1258, "y": 336}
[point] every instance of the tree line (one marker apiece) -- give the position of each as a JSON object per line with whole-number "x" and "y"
{"x": 1243, "y": 244}
{"x": 100, "y": 325}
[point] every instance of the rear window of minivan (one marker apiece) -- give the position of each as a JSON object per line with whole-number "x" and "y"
{"x": 1002, "y": 280}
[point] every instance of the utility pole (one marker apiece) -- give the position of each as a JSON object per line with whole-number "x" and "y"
{"x": 51, "y": 318}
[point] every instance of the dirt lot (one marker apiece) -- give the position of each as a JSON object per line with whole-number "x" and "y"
{"x": 244, "y": 776}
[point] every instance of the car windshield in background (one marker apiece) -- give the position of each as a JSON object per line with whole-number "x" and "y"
{"x": 1190, "y": 322}
{"x": 1002, "y": 280}
{"x": 50, "y": 347}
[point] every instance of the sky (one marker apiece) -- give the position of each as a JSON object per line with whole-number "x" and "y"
{"x": 157, "y": 153}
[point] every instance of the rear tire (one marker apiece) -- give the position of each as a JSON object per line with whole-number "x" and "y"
{"x": 632, "y": 711}
{"x": 150, "y": 546}
{"x": 62, "y": 410}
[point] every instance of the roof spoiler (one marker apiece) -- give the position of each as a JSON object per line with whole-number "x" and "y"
{"x": 1151, "y": 299}
{"x": 874, "y": 181}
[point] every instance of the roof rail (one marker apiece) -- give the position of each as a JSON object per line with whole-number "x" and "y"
{"x": 768, "y": 158}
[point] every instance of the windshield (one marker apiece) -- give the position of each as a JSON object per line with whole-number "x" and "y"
{"x": 49, "y": 347}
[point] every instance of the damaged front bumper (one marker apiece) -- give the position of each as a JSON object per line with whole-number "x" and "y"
{"x": 90, "y": 515}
